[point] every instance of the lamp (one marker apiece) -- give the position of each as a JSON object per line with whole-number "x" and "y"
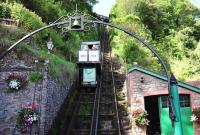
{"x": 142, "y": 79}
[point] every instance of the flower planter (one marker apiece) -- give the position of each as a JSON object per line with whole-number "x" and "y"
{"x": 140, "y": 118}
{"x": 15, "y": 81}
{"x": 27, "y": 116}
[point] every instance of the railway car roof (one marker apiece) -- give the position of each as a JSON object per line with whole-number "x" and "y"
{"x": 91, "y": 43}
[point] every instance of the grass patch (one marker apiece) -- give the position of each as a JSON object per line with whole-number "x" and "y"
{"x": 57, "y": 66}
{"x": 35, "y": 76}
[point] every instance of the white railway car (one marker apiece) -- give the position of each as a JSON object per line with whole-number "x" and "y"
{"x": 89, "y": 63}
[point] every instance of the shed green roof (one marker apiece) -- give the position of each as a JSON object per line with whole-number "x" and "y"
{"x": 162, "y": 77}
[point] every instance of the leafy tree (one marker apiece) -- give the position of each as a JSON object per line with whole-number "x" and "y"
{"x": 169, "y": 26}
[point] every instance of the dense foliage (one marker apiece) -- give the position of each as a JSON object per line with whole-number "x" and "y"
{"x": 169, "y": 26}
{"x": 34, "y": 14}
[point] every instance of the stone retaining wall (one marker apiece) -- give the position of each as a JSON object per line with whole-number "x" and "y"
{"x": 47, "y": 93}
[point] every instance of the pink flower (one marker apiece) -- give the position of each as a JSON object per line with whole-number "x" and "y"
{"x": 11, "y": 75}
{"x": 34, "y": 106}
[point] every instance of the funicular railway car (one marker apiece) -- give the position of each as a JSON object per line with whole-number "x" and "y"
{"x": 89, "y": 64}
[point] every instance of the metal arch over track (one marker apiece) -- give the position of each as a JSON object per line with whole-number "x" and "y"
{"x": 65, "y": 23}
{"x": 78, "y": 21}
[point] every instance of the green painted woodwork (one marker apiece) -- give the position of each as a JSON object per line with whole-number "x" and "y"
{"x": 187, "y": 125}
{"x": 164, "y": 78}
{"x": 147, "y": 72}
{"x": 89, "y": 75}
{"x": 165, "y": 122}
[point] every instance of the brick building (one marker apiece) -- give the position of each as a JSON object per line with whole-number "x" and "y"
{"x": 148, "y": 90}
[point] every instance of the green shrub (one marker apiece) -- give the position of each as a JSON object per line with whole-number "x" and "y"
{"x": 35, "y": 76}
{"x": 28, "y": 19}
{"x": 49, "y": 10}
{"x": 5, "y": 11}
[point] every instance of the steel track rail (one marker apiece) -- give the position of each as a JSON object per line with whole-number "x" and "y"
{"x": 95, "y": 115}
{"x": 114, "y": 92}
{"x": 116, "y": 103}
{"x": 97, "y": 118}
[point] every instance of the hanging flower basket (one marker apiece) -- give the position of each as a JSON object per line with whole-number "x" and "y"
{"x": 195, "y": 117}
{"x": 27, "y": 116}
{"x": 140, "y": 117}
{"x": 15, "y": 81}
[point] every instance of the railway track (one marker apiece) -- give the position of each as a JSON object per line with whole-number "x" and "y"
{"x": 109, "y": 122}
{"x": 83, "y": 113}
{"x": 96, "y": 111}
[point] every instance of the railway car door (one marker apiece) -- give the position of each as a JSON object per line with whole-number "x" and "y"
{"x": 165, "y": 122}
{"x": 89, "y": 76}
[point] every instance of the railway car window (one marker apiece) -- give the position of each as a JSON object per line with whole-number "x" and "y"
{"x": 94, "y": 47}
{"x": 84, "y": 47}
{"x": 90, "y": 46}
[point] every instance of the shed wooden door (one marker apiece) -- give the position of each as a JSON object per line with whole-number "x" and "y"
{"x": 165, "y": 122}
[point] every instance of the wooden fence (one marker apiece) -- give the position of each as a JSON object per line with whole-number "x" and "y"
{"x": 9, "y": 22}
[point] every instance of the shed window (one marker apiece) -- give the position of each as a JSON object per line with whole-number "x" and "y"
{"x": 165, "y": 102}
{"x": 184, "y": 101}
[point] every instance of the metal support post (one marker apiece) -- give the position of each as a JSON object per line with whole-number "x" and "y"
{"x": 176, "y": 104}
